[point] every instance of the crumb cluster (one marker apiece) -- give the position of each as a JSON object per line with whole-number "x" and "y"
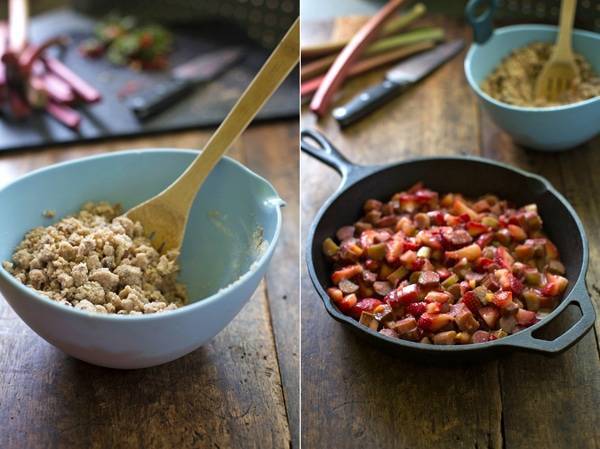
{"x": 513, "y": 81}
{"x": 98, "y": 261}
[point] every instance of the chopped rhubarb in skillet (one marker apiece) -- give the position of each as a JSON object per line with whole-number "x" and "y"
{"x": 445, "y": 270}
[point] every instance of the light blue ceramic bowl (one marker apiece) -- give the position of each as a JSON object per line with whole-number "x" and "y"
{"x": 550, "y": 128}
{"x": 220, "y": 261}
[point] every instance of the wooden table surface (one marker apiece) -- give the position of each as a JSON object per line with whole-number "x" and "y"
{"x": 238, "y": 391}
{"x": 353, "y": 395}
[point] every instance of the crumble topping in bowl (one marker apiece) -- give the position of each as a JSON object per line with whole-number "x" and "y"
{"x": 98, "y": 261}
{"x": 513, "y": 81}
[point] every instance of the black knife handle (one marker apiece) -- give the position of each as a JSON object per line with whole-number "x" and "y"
{"x": 367, "y": 101}
{"x": 152, "y": 101}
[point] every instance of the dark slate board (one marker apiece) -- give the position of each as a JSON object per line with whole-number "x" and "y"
{"x": 206, "y": 107}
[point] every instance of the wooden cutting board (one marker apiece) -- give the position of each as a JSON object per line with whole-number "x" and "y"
{"x": 205, "y": 107}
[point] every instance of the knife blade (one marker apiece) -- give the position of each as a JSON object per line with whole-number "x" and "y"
{"x": 397, "y": 80}
{"x": 184, "y": 78}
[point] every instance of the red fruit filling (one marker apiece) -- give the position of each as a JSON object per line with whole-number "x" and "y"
{"x": 443, "y": 269}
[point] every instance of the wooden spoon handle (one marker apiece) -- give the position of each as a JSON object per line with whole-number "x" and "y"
{"x": 567, "y": 16}
{"x": 283, "y": 59}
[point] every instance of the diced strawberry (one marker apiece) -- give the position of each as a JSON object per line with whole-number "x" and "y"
{"x": 416, "y": 308}
{"x": 516, "y": 285}
{"x": 433, "y": 322}
{"x": 503, "y": 277}
{"x": 502, "y": 299}
{"x": 470, "y": 300}
{"x": 411, "y": 244}
{"x": 481, "y": 337}
{"x": 490, "y": 315}
{"x": 444, "y": 273}
{"x": 555, "y": 286}
{"x": 394, "y": 248}
{"x": 517, "y": 232}
{"x": 425, "y": 196}
{"x": 346, "y": 273}
{"x": 347, "y": 303}
{"x": 484, "y": 263}
{"x": 367, "y": 237}
{"x": 525, "y": 317}
{"x": 408, "y": 202}
{"x": 503, "y": 257}
{"x": 436, "y": 217}
{"x": 475, "y": 228}
{"x": 485, "y": 239}
{"x": 365, "y": 305}
{"x": 471, "y": 253}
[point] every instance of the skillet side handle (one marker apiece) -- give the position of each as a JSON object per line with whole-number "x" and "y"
{"x": 325, "y": 152}
{"x": 579, "y": 296}
{"x": 482, "y": 24}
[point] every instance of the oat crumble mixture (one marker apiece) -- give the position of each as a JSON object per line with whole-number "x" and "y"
{"x": 513, "y": 81}
{"x": 98, "y": 261}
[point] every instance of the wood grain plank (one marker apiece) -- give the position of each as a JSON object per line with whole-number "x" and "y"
{"x": 372, "y": 399}
{"x": 226, "y": 394}
{"x": 259, "y": 151}
{"x": 564, "y": 412}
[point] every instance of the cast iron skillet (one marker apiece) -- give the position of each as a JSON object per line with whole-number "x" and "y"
{"x": 471, "y": 176}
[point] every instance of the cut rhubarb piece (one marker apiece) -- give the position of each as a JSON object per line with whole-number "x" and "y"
{"x": 345, "y": 232}
{"x": 459, "y": 207}
{"x": 406, "y": 295}
{"x": 64, "y": 114}
{"x": 444, "y": 338}
{"x": 347, "y": 304}
{"x": 508, "y": 323}
{"x": 555, "y": 286}
{"x": 405, "y": 326}
{"x": 347, "y": 286}
{"x": 365, "y": 305}
{"x": 388, "y": 333}
{"x": 466, "y": 321}
{"x": 382, "y": 288}
{"x": 475, "y": 228}
{"x": 330, "y": 248}
{"x": 429, "y": 279}
{"x": 368, "y": 319}
{"x": 490, "y": 315}
{"x": 434, "y": 322}
{"x": 435, "y": 296}
{"x": 84, "y": 90}
{"x": 346, "y": 273}
{"x": 525, "y": 317}
{"x": 480, "y": 337}
{"x": 517, "y": 233}
{"x": 502, "y": 299}
{"x": 471, "y": 253}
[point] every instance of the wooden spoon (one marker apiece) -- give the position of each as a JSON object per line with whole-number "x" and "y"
{"x": 559, "y": 72}
{"x": 164, "y": 216}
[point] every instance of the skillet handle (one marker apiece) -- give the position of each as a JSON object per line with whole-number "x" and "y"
{"x": 482, "y": 24}
{"x": 325, "y": 152}
{"x": 579, "y": 296}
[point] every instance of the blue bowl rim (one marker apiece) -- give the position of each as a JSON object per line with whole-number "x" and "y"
{"x": 255, "y": 266}
{"x": 525, "y": 27}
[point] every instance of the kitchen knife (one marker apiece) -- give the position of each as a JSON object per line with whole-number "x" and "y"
{"x": 184, "y": 78}
{"x": 397, "y": 80}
